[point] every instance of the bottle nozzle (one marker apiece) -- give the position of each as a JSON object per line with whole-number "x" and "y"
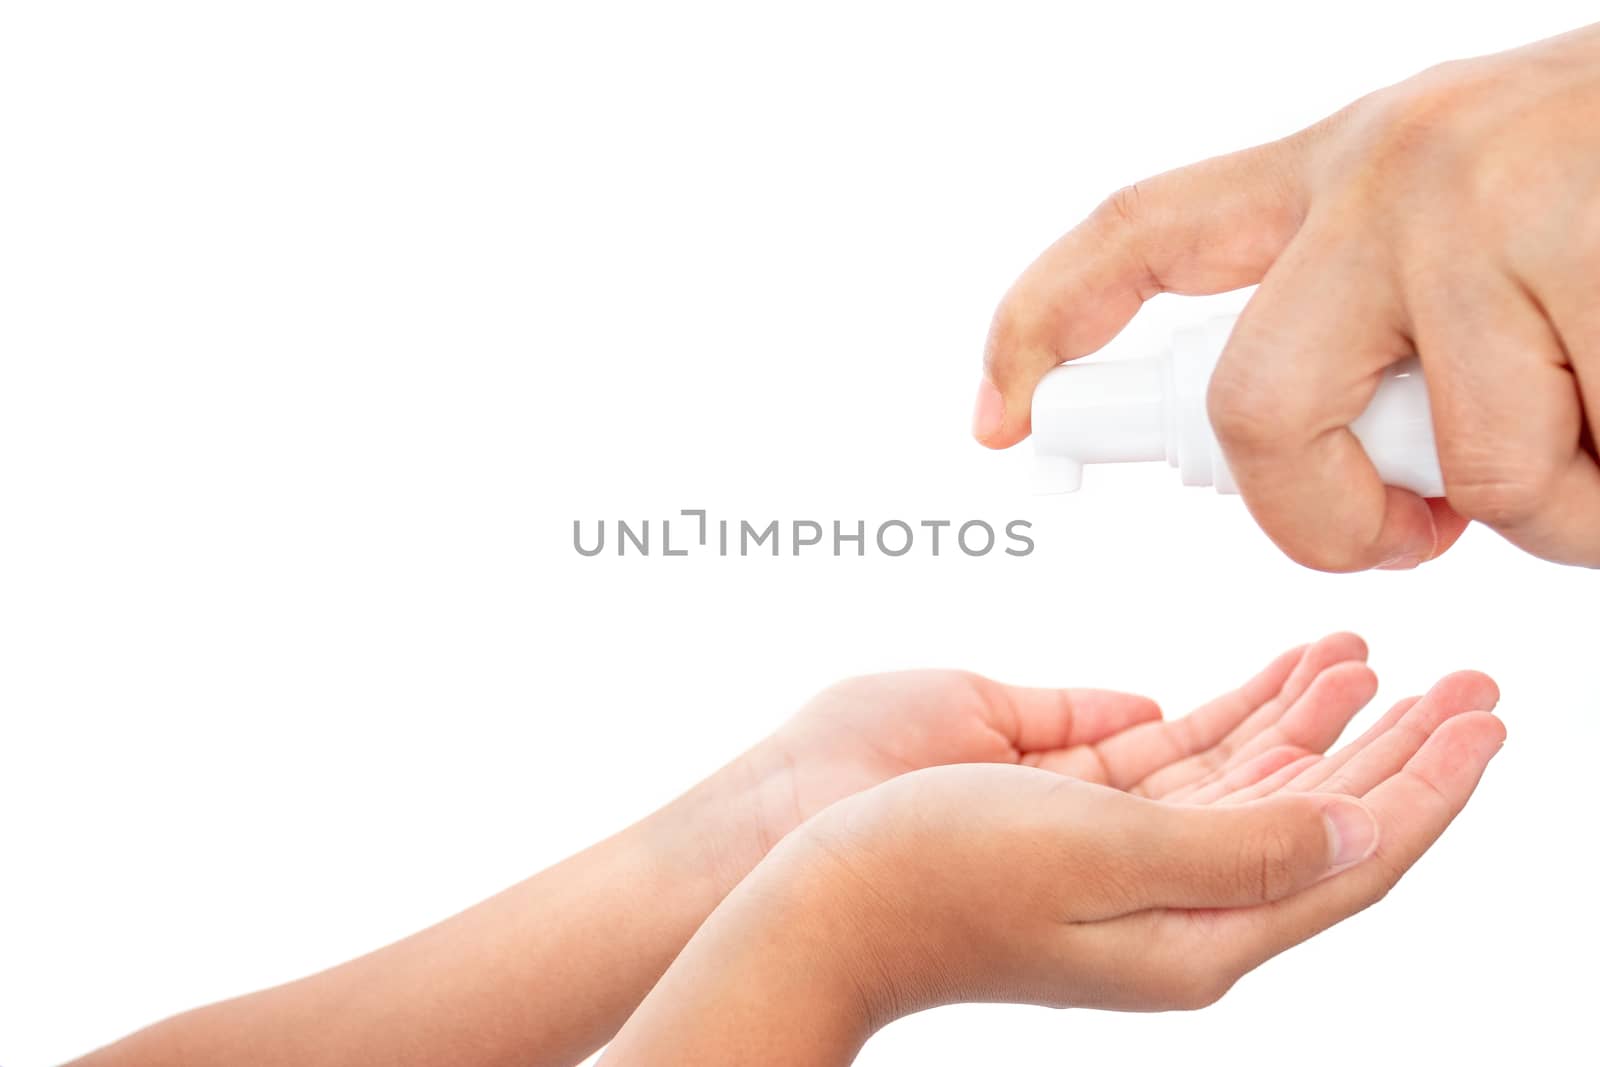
{"x": 1098, "y": 412}
{"x": 1057, "y": 474}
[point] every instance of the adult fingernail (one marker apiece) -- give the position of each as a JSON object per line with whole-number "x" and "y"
{"x": 989, "y": 412}
{"x": 1352, "y": 832}
{"x": 1422, "y": 547}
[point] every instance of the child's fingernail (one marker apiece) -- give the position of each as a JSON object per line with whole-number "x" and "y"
{"x": 1352, "y": 832}
{"x": 989, "y": 412}
{"x": 1404, "y": 562}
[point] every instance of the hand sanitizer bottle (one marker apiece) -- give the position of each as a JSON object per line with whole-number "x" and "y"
{"x": 1139, "y": 410}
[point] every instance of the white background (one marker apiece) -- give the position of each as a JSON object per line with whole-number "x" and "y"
{"x": 322, "y": 322}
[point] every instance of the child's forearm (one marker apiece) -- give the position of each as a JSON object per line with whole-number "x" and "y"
{"x": 542, "y": 974}
{"x": 780, "y": 975}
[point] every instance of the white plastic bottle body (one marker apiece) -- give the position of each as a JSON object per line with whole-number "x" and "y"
{"x": 1134, "y": 410}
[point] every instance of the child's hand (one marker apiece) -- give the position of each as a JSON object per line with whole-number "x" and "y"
{"x": 1014, "y": 884}
{"x": 624, "y": 908}
{"x": 867, "y": 730}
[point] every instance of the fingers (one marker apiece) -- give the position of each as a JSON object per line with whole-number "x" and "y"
{"x": 1286, "y": 676}
{"x": 1206, "y": 228}
{"x": 1251, "y": 708}
{"x": 1272, "y": 783}
{"x": 1242, "y": 856}
{"x": 1204, "y": 740}
{"x": 1302, "y": 364}
{"x": 1453, "y": 695}
{"x": 1239, "y": 776}
{"x": 1034, "y": 719}
{"x": 1413, "y": 807}
{"x": 1203, "y": 952}
{"x": 1125, "y": 759}
{"x": 1316, "y": 720}
{"x": 1384, "y": 748}
{"x": 1309, "y": 721}
{"x": 1508, "y": 415}
{"x": 1317, "y": 772}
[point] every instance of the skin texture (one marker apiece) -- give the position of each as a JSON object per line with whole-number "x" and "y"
{"x": 547, "y": 971}
{"x": 1013, "y": 884}
{"x": 1455, "y": 215}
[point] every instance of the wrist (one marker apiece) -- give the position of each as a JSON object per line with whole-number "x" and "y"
{"x": 868, "y": 910}
{"x": 778, "y": 975}
{"x": 725, "y": 825}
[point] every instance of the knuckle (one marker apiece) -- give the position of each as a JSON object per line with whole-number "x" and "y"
{"x": 1496, "y": 184}
{"x": 1259, "y": 429}
{"x": 1267, "y": 864}
{"x": 1124, "y": 217}
{"x": 1374, "y": 895}
{"x": 1501, "y": 495}
{"x": 1242, "y": 415}
{"x": 1419, "y": 122}
{"x": 1122, "y": 208}
{"x": 1390, "y": 871}
{"x": 1410, "y": 139}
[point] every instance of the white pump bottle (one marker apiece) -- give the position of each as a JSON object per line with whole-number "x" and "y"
{"x": 1133, "y": 410}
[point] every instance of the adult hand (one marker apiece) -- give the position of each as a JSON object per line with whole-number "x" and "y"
{"x": 1456, "y": 215}
{"x": 1013, "y": 884}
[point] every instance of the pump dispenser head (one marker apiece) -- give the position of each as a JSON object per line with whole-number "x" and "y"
{"x": 1106, "y": 412}
{"x": 1139, "y": 410}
